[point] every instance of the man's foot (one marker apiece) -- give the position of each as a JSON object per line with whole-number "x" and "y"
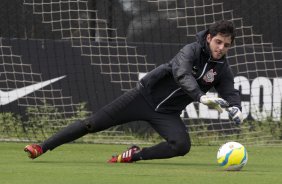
{"x": 33, "y": 150}
{"x": 125, "y": 157}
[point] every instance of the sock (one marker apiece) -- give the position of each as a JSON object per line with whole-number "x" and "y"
{"x": 67, "y": 134}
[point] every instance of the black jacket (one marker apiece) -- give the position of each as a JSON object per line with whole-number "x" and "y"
{"x": 189, "y": 75}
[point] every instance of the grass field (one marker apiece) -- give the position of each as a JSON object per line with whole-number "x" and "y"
{"x": 86, "y": 163}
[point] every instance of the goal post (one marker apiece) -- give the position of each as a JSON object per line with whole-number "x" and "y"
{"x": 104, "y": 47}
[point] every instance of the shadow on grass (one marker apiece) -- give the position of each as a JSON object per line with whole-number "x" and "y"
{"x": 184, "y": 164}
{"x": 140, "y": 163}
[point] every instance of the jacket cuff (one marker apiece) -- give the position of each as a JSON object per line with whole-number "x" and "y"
{"x": 199, "y": 96}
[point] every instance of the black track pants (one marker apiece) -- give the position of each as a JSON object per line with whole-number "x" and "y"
{"x": 131, "y": 106}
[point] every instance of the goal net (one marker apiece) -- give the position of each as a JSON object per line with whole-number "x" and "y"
{"x": 90, "y": 52}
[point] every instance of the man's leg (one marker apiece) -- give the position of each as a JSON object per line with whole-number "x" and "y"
{"x": 173, "y": 130}
{"x": 169, "y": 127}
{"x": 75, "y": 130}
{"x": 68, "y": 134}
{"x": 115, "y": 113}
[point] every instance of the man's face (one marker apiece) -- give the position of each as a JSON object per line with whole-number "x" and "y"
{"x": 219, "y": 45}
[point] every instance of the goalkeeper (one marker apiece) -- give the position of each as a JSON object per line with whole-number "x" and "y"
{"x": 160, "y": 97}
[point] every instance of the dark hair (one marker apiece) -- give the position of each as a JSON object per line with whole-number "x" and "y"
{"x": 224, "y": 27}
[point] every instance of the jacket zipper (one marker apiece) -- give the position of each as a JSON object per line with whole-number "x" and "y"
{"x": 203, "y": 71}
{"x": 166, "y": 98}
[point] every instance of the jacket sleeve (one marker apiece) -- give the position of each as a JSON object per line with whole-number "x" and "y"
{"x": 226, "y": 90}
{"x": 182, "y": 65}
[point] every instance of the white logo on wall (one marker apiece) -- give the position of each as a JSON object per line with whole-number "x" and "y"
{"x": 7, "y": 97}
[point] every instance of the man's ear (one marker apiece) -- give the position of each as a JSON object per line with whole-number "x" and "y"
{"x": 209, "y": 38}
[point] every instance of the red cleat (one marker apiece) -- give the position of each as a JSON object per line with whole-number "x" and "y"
{"x": 33, "y": 150}
{"x": 125, "y": 157}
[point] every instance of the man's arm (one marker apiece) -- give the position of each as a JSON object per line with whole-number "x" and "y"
{"x": 182, "y": 65}
{"x": 226, "y": 90}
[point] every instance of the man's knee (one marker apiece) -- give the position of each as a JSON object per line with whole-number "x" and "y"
{"x": 98, "y": 122}
{"x": 88, "y": 124}
{"x": 181, "y": 146}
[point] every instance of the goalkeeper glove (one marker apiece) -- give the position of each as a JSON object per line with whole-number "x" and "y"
{"x": 235, "y": 115}
{"x": 214, "y": 102}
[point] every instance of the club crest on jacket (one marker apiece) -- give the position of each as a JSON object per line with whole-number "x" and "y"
{"x": 209, "y": 76}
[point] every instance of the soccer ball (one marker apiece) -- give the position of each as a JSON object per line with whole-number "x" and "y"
{"x": 232, "y": 156}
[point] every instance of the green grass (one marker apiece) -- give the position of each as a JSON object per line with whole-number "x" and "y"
{"x": 86, "y": 163}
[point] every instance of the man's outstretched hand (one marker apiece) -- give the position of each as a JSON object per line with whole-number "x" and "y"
{"x": 214, "y": 102}
{"x": 235, "y": 115}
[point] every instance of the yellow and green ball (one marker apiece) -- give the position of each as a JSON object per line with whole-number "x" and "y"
{"x": 232, "y": 156}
